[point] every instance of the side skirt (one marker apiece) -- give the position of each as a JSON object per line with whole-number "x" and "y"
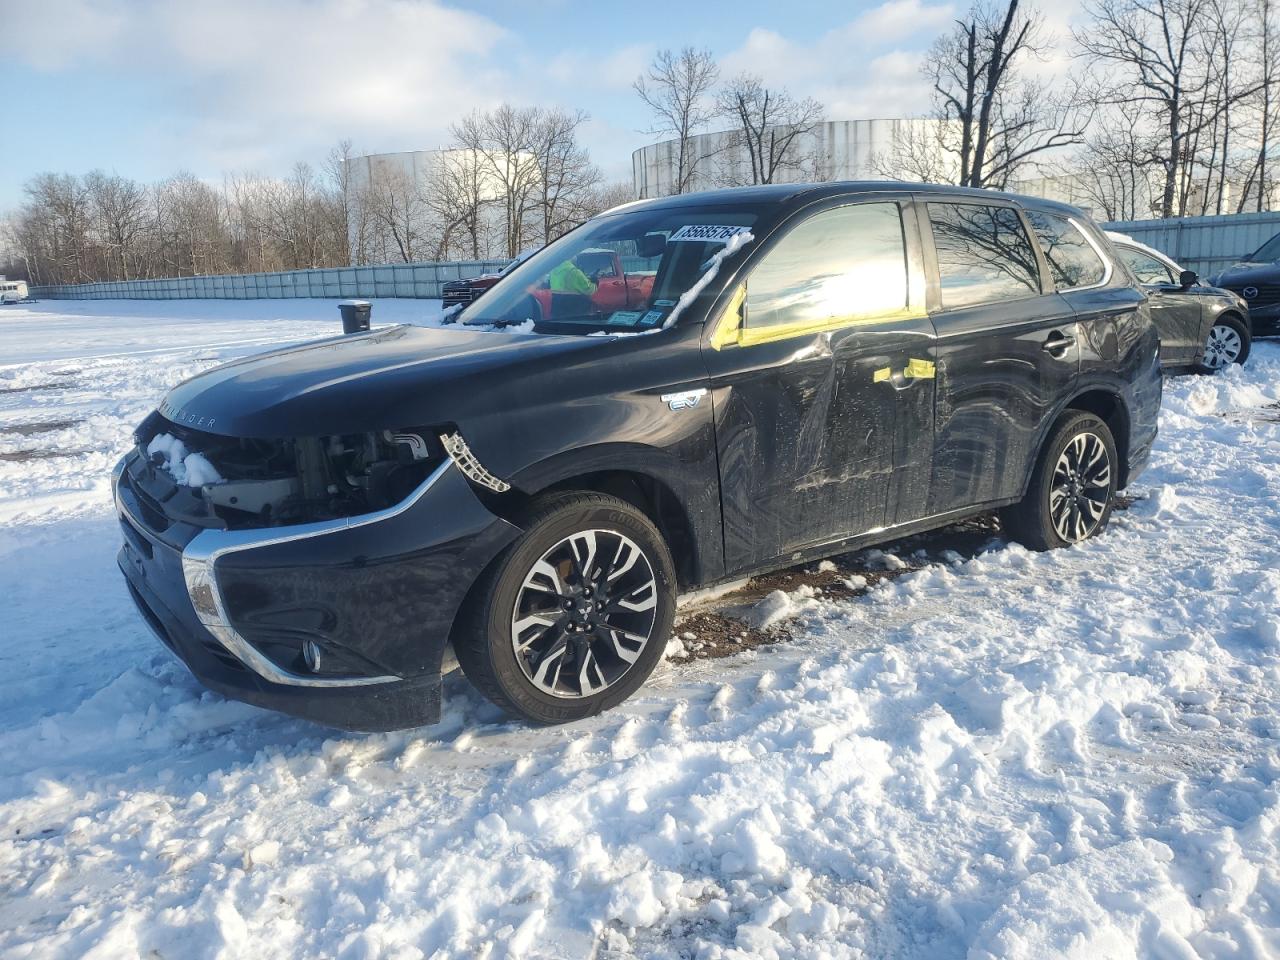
{"x": 869, "y": 538}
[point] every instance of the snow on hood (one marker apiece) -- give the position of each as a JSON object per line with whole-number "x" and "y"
{"x": 187, "y": 469}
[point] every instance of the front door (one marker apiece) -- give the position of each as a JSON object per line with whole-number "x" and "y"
{"x": 1175, "y": 312}
{"x": 821, "y": 370}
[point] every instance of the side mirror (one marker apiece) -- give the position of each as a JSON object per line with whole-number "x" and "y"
{"x": 651, "y": 245}
{"x": 1188, "y": 278}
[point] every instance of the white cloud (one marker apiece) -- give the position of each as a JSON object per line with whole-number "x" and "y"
{"x": 861, "y": 70}
{"x": 899, "y": 19}
{"x": 292, "y": 74}
{"x": 615, "y": 70}
{"x": 53, "y": 34}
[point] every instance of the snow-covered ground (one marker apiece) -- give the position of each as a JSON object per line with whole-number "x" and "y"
{"x": 1016, "y": 755}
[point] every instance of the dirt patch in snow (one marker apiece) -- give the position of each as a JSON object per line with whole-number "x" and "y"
{"x": 39, "y": 386}
{"x": 721, "y": 627}
{"x": 26, "y": 456}
{"x": 38, "y": 426}
{"x": 711, "y": 635}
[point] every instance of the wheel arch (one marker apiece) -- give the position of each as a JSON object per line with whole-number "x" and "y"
{"x": 650, "y": 479}
{"x": 1109, "y": 406}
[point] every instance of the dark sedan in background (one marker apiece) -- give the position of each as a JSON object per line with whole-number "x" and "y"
{"x": 1257, "y": 280}
{"x": 1201, "y": 327}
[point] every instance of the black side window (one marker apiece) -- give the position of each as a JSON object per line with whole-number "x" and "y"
{"x": 1072, "y": 259}
{"x": 984, "y": 254}
{"x": 1144, "y": 266}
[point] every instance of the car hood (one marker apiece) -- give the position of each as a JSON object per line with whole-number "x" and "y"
{"x": 394, "y": 377}
{"x": 1247, "y": 274}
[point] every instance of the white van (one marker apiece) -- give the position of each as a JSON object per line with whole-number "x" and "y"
{"x": 12, "y": 291}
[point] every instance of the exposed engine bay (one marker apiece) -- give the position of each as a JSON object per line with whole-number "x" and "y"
{"x": 211, "y": 480}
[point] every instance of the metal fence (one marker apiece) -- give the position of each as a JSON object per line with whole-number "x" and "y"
{"x": 395, "y": 280}
{"x": 1204, "y": 244}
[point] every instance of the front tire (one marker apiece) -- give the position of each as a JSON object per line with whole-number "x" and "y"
{"x": 1073, "y": 487}
{"x": 1228, "y": 342}
{"x": 573, "y": 617}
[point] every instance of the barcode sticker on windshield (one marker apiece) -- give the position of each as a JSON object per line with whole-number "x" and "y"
{"x": 706, "y": 233}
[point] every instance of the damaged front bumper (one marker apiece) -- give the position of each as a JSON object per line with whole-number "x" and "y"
{"x": 344, "y": 622}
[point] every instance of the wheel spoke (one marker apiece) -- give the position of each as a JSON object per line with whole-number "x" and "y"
{"x": 554, "y": 656}
{"x": 633, "y": 554}
{"x": 584, "y": 553}
{"x": 586, "y": 684}
{"x": 647, "y": 602}
{"x": 533, "y": 620}
{"x": 552, "y": 582}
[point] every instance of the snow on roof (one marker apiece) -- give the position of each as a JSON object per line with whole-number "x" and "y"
{"x": 1128, "y": 241}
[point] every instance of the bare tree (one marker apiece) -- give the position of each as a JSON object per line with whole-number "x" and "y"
{"x": 606, "y": 196}
{"x": 458, "y": 198}
{"x": 347, "y": 221}
{"x": 516, "y": 176}
{"x": 991, "y": 118}
{"x": 921, "y": 150}
{"x": 56, "y": 222}
{"x": 566, "y": 177}
{"x": 504, "y": 143}
{"x": 120, "y": 215}
{"x": 1266, "y": 106}
{"x": 396, "y": 204}
{"x": 677, "y": 90}
{"x": 1115, "y": 166}
{"x": 1164, "y": 55}
{"x": 768, "y": 124}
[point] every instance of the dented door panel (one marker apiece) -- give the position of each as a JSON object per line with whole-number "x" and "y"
{"x": 1000, "y": 377}
{"x": 806, "y": 430}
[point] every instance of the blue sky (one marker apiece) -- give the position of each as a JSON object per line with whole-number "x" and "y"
{"x": 149, "y": 87}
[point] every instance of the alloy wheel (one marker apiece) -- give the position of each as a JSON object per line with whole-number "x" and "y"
{"x": 1081, "y": 487}
{"x": 584, "y": 613}
{"x": 1222, "y": 348}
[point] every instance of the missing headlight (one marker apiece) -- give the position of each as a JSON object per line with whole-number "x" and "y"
{"x": 264, "y": 483}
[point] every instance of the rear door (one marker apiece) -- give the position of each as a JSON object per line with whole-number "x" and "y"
{"x": 821, "y": 369}
{"x": 1176, "y": 313}
{"x": 1007, "y": 350}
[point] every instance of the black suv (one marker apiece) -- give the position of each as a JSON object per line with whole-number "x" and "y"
{"x": 793, "y": 371}
{"x": 1257, "y": 281}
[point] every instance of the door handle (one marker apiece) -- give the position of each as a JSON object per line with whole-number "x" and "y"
{"x": 1058, "y": 344}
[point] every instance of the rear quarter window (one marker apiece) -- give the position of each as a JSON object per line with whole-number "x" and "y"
{"x": 1073, "y": 261}
{"x": 984, "y": 254}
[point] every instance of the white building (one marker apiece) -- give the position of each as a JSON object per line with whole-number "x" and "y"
{"x": 833, "y": 150}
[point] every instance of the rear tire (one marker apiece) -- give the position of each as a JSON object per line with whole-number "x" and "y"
{"x": 1073, "y": 487}
{"x": 1228, "y": 342}
{"x": 572, "y": 618}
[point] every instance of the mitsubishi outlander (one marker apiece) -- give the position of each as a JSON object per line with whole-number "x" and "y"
{"x": 679, "y": 392}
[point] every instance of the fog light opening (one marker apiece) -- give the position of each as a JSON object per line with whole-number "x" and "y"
{"x": 311, "y": 655}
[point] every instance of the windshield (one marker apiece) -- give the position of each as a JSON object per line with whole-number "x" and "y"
{"x": 619, "y": 273}
{"x": 1268, "y": 252}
